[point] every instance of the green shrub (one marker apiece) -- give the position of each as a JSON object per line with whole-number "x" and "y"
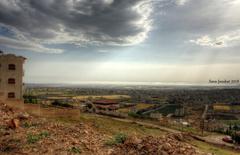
{"x": 119, "y": 138}
{"x": 75, "y": 150}
{"x": 31, "y": 138}
{"x": 44, "y": 134}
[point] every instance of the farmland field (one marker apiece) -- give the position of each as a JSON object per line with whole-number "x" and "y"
{"x": 138, "y": 106}
{"x": 226, "y": 107}
{"x": 110, "y": 97}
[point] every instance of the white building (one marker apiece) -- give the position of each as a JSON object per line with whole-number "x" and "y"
{"x": 11, "y": 77}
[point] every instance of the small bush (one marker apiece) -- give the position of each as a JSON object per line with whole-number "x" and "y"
{"x": 44, "y": 134}
{"x": 28, "y": 125}
{"x": 75, "y": 150}
{"x": 31, "y": 138}
{"x": 119, "y": 138}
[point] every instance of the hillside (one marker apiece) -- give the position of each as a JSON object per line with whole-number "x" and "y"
{"x": 21, "y": 133}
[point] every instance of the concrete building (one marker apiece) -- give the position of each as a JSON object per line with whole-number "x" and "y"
{"x": 11, "y": 77}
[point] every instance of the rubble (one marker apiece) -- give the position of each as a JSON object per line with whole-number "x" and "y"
{"x": 171, "y": 144}
{"x": 21, "y": 133}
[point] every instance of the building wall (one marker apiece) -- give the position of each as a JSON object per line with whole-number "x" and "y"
{"x": 5, "y": 74}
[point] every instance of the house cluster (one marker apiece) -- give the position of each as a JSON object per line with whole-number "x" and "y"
{"x": 11, "y": 76}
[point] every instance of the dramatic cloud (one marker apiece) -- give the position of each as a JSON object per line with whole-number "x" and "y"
{"x": 27, "y": 45}
{"x": 78, "y": 22}
{"x": 227, "y": 40}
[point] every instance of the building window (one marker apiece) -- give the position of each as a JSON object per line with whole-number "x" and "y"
{"x": 11, "y": 67}
{"x": 11, "y": 95}
{"x": 11, "y": 81}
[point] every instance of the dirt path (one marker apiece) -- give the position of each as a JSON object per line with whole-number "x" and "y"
{"x": 148, "y": 125}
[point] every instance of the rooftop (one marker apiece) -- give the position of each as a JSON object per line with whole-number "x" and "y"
{"x": 2, "y": 55}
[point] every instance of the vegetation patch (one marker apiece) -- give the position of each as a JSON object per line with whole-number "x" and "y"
{"x": 119, "y": 138}
{"x": 212, "y": 149}
{"x": 33, "y": 138}
{"x": 225, "y": 107}
{"x": 110, "y": 97}
{"x": 75, "y": 150}
{"x": 30, "y": 99}
{"x": 28, "y": 125}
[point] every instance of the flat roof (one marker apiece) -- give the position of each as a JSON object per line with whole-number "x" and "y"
{"x": 12, "y": 55}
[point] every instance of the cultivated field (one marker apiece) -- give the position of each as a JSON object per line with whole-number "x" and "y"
{"x": 138, "y": 106}
{"x": 223, "y": 107}
{"x": 110, "y": 97}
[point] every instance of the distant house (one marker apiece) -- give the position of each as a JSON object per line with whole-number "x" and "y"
{"x": 11, "y": 76}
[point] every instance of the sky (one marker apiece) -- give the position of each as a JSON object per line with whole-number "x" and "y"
{"x": 167, "y": 41}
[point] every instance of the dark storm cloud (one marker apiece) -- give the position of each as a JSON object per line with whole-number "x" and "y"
{"x": 78, "y": 21}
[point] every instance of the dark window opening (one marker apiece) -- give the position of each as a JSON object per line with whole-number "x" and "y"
{"x": 11, "y": 95}
{"x": 11, "y": 81}
{"x": 12, "y": 67}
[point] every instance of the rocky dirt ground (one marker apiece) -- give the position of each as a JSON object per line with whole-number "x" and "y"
{"x": 23, "y": 134}
{"x": 171, "y": 144}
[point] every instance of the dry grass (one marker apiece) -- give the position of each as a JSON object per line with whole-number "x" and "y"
{"x": 109, "y": 126}
{"x": 222, "y": 107}
{"x": 139, "y": 106}
{"x": 212, "y": 149}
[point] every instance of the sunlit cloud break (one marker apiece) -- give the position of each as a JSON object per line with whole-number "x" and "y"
{"x": 226, "y": 40}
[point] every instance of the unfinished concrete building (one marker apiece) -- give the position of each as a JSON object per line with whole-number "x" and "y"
{"x": 11, "y": 77}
